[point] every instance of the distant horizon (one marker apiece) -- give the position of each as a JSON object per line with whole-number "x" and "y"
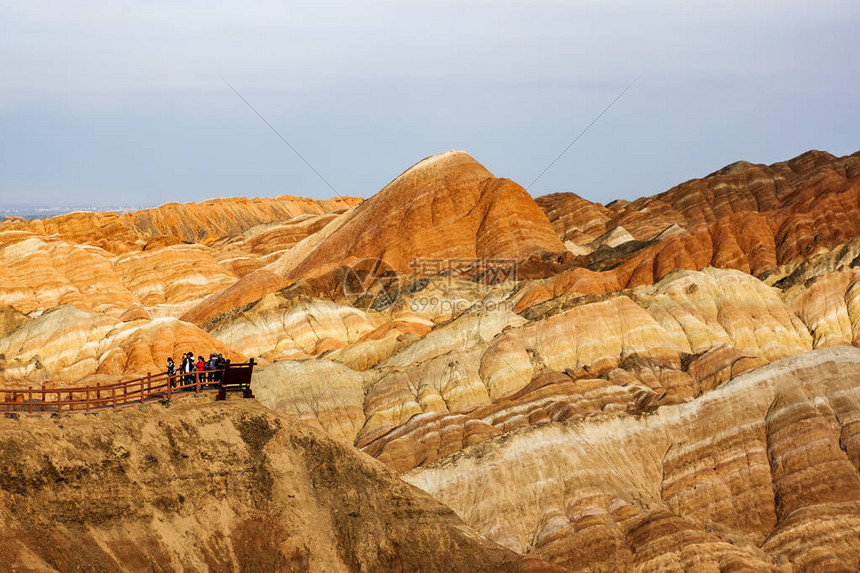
{"x": 9, "y": 209}
{"x": 31, "y": 212}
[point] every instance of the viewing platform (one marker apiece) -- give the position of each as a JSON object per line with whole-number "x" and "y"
{"x": 143, "y": 390}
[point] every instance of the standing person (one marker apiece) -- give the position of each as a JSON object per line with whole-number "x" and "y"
{"x": 171, "y": 371}
{"x": 220, "y": 364}
{"x": 201, "y": 368}
{"x": 188, "y": 367}
{"x": 211, "y": 365}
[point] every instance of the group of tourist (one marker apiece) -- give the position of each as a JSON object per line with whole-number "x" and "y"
{"x": 208, "y": 371}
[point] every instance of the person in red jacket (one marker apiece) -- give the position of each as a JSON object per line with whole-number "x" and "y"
{"x": 201, "y": 366}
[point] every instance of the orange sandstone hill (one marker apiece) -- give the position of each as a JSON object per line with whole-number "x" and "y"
{"x": 188, "y": 222}
{"x": 446, "y": 206}
{"x": 128, "y": 274}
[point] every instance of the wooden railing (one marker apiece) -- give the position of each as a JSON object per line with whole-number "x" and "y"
{"x": 138, "y": 391}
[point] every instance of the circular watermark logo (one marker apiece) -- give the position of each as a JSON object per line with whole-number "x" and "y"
{"x": 371, "y": 283}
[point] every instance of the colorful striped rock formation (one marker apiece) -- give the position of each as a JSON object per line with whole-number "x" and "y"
{"x": 667, "y": 384}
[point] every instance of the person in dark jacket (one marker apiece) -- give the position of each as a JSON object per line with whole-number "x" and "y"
{"x": 220, "y": 364}
{"x": 211, "y": 366}
{"x": 171, "y": 371}
{"x": 188, "y": 367}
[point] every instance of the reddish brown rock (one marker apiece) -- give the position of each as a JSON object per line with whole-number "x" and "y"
{"x": 574, "y": 218}
{"x": 752, "y": 218}
{"x": 447, "y": 206}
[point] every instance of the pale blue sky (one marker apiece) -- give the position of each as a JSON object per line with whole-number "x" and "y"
{"x": 122, "y": 103}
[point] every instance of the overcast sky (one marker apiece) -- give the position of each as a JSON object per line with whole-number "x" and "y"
{"x": 109, "y": 103}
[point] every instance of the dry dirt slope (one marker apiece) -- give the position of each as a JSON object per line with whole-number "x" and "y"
{"x": 162, "y": 489}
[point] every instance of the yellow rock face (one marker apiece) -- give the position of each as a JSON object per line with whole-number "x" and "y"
{"x": 38, "y": 273}
{"x": 830, "y": 306}
{"x": 276, "y": 325}
{"x": 320, "y": 393}
{"x": 169, "y": 280}
{"x": 66, "y": 344}
{"x": 62, "y": 345}
{"x": 659, "y": 345}
{"x": 703, "y": 310}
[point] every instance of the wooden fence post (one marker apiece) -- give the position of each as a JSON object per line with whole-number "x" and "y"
{"x": 87, "y": 406}
{"x": 30, "y": 399}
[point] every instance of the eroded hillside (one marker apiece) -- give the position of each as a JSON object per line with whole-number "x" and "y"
{"x": 663, "y": 384}
{"x": 216, "y": 487}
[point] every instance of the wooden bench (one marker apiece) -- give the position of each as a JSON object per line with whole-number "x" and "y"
{"x": 236, "y": 378}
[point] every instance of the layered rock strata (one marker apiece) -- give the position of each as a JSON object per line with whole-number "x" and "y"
{"x": 760, "y": 474}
